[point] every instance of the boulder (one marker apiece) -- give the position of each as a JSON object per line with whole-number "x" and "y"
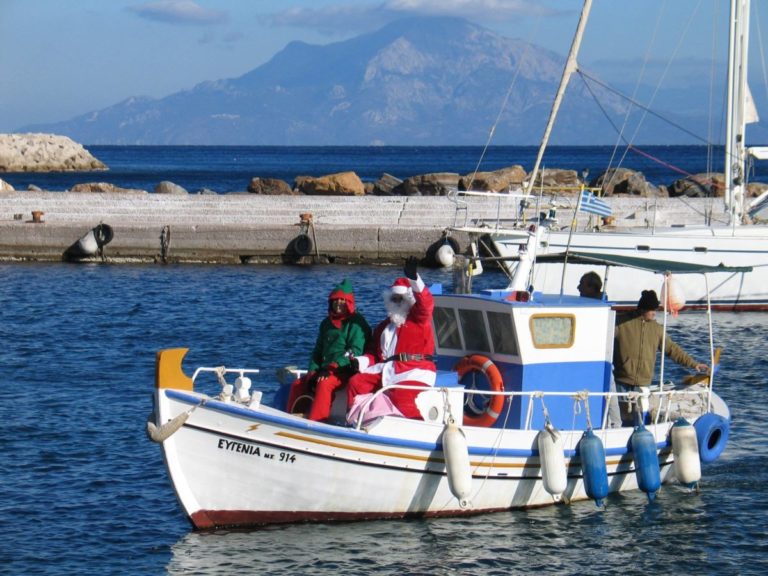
{"x": 166, "y": 187}
{"x": 624, "y": 181}
{"x": 102, "y": 187}
{"x": 5, "y": 187}
{"x": 270, "y": 187}
{"x": 502, "y": 180}
{"x": 700, "y": 185}
{"x": 44, "y": 153}
{"x": 557, "y": 178}
{"x": 436, "y": 184}
{"x": 385, "y": 185}
{"x": 34, "y": 188}
{"x": 755, "y": 189}
{"x": 341, "y": 184}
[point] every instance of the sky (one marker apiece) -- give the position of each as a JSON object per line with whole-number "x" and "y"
{"x": 63, "y": 58}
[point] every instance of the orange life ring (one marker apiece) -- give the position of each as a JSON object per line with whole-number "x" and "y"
{"x": 478, "y": 363}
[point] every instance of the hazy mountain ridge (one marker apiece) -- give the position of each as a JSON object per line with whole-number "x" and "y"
{"x": 420, "y": 81}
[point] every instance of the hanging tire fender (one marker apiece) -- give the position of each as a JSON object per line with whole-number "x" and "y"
{"x": 712, "y": 435}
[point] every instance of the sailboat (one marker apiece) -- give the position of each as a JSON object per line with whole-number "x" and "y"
{"x": 735, "y": 244}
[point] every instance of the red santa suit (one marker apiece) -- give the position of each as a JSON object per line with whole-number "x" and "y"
{"x": 401, "y": 350}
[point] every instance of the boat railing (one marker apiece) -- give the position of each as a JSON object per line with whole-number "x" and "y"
{"x": 659, "y": 413}
{"x": 220, "y": 371}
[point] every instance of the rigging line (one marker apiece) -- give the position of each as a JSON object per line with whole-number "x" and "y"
{"x": 640, "y": 151}
{"x": 504, "y": 103}
{"x": 667, "y": 68}
{"x": 646, "y": 58}
{"x": 641, "y": 106}
{"x": 760, "y": 50}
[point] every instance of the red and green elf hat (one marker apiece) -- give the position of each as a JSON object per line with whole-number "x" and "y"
{"x": 344, "y": 292}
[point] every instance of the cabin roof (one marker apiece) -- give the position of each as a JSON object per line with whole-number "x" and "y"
{"x": 648, "y": 264}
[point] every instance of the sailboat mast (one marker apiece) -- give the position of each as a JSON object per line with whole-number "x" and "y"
{"x": 570, "y": 67}
{"x": 735, "y": 146}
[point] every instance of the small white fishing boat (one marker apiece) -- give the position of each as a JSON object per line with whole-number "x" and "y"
{"x": 518, "y": 417}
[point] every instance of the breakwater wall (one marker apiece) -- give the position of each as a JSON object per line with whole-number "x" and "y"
{"x": 247, "y": 228}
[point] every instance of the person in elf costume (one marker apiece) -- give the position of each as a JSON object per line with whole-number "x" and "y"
{"x": 402, "y": 348}
{"x": 342, "y": 334}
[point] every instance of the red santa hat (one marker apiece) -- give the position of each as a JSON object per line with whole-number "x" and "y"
{"x": 401, "y": 286}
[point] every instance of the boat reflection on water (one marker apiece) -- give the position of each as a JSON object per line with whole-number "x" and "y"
{"x": 563, "y": 538}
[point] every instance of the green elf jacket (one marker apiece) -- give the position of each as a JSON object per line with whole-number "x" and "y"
{"x": 333, "y": 343}
{"x": 635, "y": 343}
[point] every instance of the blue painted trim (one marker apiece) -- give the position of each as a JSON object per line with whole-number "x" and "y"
{"x": 349, "y": 433}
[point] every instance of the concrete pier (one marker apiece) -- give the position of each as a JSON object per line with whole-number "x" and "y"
{"x": 249, "y": 228}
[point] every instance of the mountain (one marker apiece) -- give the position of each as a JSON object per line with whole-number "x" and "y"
{"x": 418, "y": 81}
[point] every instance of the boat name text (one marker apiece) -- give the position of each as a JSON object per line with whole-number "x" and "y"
{"x": 249, "y": 449}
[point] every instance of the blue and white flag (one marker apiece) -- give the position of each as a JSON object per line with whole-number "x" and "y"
{"x": 593, "y": 204}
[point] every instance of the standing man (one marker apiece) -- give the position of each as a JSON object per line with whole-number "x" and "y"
{"x": 637, "y": 339}
{"x": 343, "y": 333}
{"x": 402, "y": 348}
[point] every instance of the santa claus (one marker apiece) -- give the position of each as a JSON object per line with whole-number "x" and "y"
{"x": 401, "y": 350}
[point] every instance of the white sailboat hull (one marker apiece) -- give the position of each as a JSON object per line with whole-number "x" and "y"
{"x": 743, "y": 246}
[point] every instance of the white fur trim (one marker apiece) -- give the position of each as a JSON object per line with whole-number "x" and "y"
{"x": 399, "y": 289}
{"x": 418, "y": 284}
{"x": 363, "y": 362}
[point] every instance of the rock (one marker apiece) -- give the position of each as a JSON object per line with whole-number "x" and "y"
{"x": 44, "y": 153}
{"x": 206, "y": 192}
{"x": 34, "y": 188}
{"x": 699, "y": 186}
{"x": 557, "y": 178}
{"x": 270, "y": 187}
{"x": 755, "y": 189}
{"x": 5, "y": 187}
{"x": 435, "y": 184}
{"x": 166, "y": 187}
{"x": 341, "y": 184}
{"x": 369, "y": 188}
{"x": 101, "y": 187}
{"x": 502, "y": 180}
{"x": 624, "y": 181}
{"x": 385, "y": 185}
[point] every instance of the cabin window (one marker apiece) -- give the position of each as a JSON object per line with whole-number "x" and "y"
{"x": 552, "y": 330}
{"x": 502, "y": 333}
{"x": 447, "y": 328}
{"x": 473, "y": 328}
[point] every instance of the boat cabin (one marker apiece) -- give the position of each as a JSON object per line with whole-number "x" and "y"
{"x": 552, "y": 344}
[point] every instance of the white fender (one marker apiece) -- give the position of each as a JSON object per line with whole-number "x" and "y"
{"x": 457, "y": 463}
{"x": 554, "y": 472}
{"x": 445, "y": 256}
{"x": 685, "y": 448}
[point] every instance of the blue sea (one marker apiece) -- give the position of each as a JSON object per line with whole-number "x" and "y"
{"x": 85, "y": 492}
{"x": 226, "y": 169}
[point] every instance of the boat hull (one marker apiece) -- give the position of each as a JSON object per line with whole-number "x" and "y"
{"x": 235, "y": 466}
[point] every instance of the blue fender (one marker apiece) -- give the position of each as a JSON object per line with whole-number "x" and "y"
{"x": 712, "y": 435}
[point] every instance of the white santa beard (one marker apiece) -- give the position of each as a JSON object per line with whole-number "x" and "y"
{"x": 397, "y": 312}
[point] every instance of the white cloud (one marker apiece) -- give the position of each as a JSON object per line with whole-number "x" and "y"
{"x": 353, "y": 18}
{"x": 178, "y": 12}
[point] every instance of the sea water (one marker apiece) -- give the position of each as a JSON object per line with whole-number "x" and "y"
{"x": 224, "y": 169}
{"x": 83, "y": 491}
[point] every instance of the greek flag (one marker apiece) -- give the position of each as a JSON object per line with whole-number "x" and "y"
{"x": 591, "y": 203}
